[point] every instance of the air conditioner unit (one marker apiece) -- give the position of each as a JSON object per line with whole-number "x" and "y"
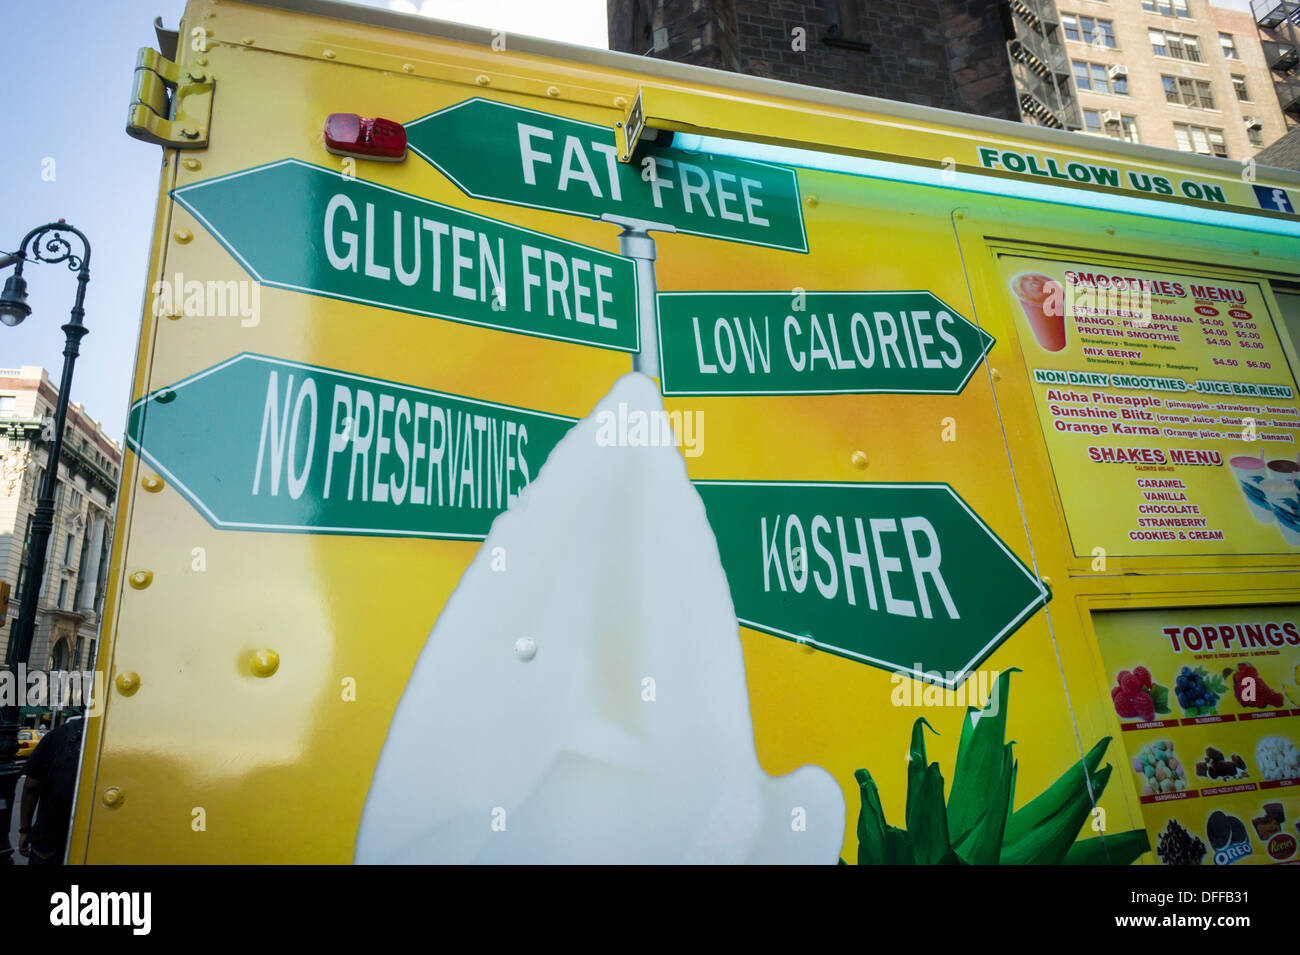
{"x": 1119, "y": 69}
{"x": 1112, "y": 117}
{"x": 1254, "y": 122}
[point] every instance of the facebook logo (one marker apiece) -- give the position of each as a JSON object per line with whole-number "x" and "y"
{"x": 1274, "y": 200}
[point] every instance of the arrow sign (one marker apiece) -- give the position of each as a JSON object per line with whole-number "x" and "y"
{"x": 263, "y": 444}
{"x": 296, "y": 226}
{"x": 508, "y": 154}
{"x": 905, "y": 577}
{"x": 815, "y": 343}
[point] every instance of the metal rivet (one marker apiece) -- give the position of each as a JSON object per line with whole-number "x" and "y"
{"x": 113, "y": 797}
{"x": 408, "y": 67}
{"x": 1047, "y": 582}
{"x": 619, "y": 124}
{"x": 959, "y": 215}
{"x": 328, "y": 54}
{"x": 805, "y": 641}
{"x": 525, "y": 649}
{"x": 247, "y": 41}
{"x": 813, "y": 201}
{"x": 141, "y": 579}
{"x": 620, "y": 102}
{"x": 165, "y": 396}
{"x": 552, "y": 91}
{"x": 623, "y": 158}
{"x": 201, "y": 61}
{"x": 997, "y": 375}
{"x": 127, "y": 683}
{"x": 189, "y": 132}
{"x": 859, "y": 459}
{"x": 482, "y": 79}
{"x": 265, "y": 663}
{"x": 183, "y": 235}
{"x": 152, "y": 483}
{"x": 173, "y": 312}
{"x": 193, "y": 164}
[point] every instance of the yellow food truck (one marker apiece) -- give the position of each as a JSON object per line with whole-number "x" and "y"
{"x": 607, "y": 460}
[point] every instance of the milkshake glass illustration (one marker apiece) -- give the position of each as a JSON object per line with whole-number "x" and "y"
{"x": 1249, "y": 472}
{"x": 1043, "y": 300}
{"x": 1286, "y": 469}
{"x": 1281, "y": 496}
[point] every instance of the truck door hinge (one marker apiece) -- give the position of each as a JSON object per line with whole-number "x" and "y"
{"x": 170, "y": 106}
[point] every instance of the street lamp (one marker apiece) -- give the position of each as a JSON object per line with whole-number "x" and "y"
{"x": 46, "y": 244}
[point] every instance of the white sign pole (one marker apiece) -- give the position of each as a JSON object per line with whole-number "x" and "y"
{"x": 636, "y": 243}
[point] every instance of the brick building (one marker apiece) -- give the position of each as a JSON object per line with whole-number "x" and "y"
{"x": 1183, "y": 74}
{"x": 76, "y": 566}
{"x": 953, "y": 54}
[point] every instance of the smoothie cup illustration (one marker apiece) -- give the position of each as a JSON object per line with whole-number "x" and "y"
{"x": 1285, "y": 469}
{"x": 1249, "y": 472}
{"x": 1281, "y": 496}
{"x": 1043, "y": 300}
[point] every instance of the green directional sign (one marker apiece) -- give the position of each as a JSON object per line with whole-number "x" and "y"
{"x": 296, "y": 226}
{"x": 263, "y": 444}
{"x": 905, "y": 577}
{"x": 815, "y": 343}
{"x": 508, "y": 154}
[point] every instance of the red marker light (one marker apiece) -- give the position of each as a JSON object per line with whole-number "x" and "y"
{"x": 347, "y": 134}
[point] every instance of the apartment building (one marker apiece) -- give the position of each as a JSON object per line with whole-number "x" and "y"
{"x": 76, "y": 566}
{"x": 1182, "y": 74}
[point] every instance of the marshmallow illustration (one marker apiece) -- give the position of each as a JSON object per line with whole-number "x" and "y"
{"x": 582, "y": 696}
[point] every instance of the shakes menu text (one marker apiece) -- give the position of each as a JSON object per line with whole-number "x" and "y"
{"x": 1168, "y": 406}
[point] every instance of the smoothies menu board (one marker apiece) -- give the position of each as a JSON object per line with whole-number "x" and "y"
{"x": 1168, "y": 405}
{"x": 1210, "y": 713}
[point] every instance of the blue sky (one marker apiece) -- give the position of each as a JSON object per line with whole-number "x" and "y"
{"x": 66, "y": 67}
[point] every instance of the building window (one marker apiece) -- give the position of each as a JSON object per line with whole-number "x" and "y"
{"x": 1239, "y": 85}
{"x": 1181, "y": 46}
{"x": 7, "y": 403}
{"x": 1199, "y": 139}
{"x": 1089, "y": 30}
{"x": 1096, "y": 78}
{"x": 1229, "y": 46}
{"x": 1126, "y": 129}
{"x": 1256, "y": 135}
{"x": 67, "y": 549}
{"x": 1183, "y": 91}
{"x": 63, "y": 593}
{"x": 1167, "y": 8}
{"x": 1092, "y": 120}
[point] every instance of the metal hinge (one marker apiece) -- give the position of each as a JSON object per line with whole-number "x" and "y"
{"x": 169, "y": 107}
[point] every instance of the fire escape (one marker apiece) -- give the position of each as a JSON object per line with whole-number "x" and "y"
{"x": 1281, "y": 45}
{"x": 1041, "y": 67}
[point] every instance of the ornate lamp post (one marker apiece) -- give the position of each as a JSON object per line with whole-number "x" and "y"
{"x": 46, "y": 244}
